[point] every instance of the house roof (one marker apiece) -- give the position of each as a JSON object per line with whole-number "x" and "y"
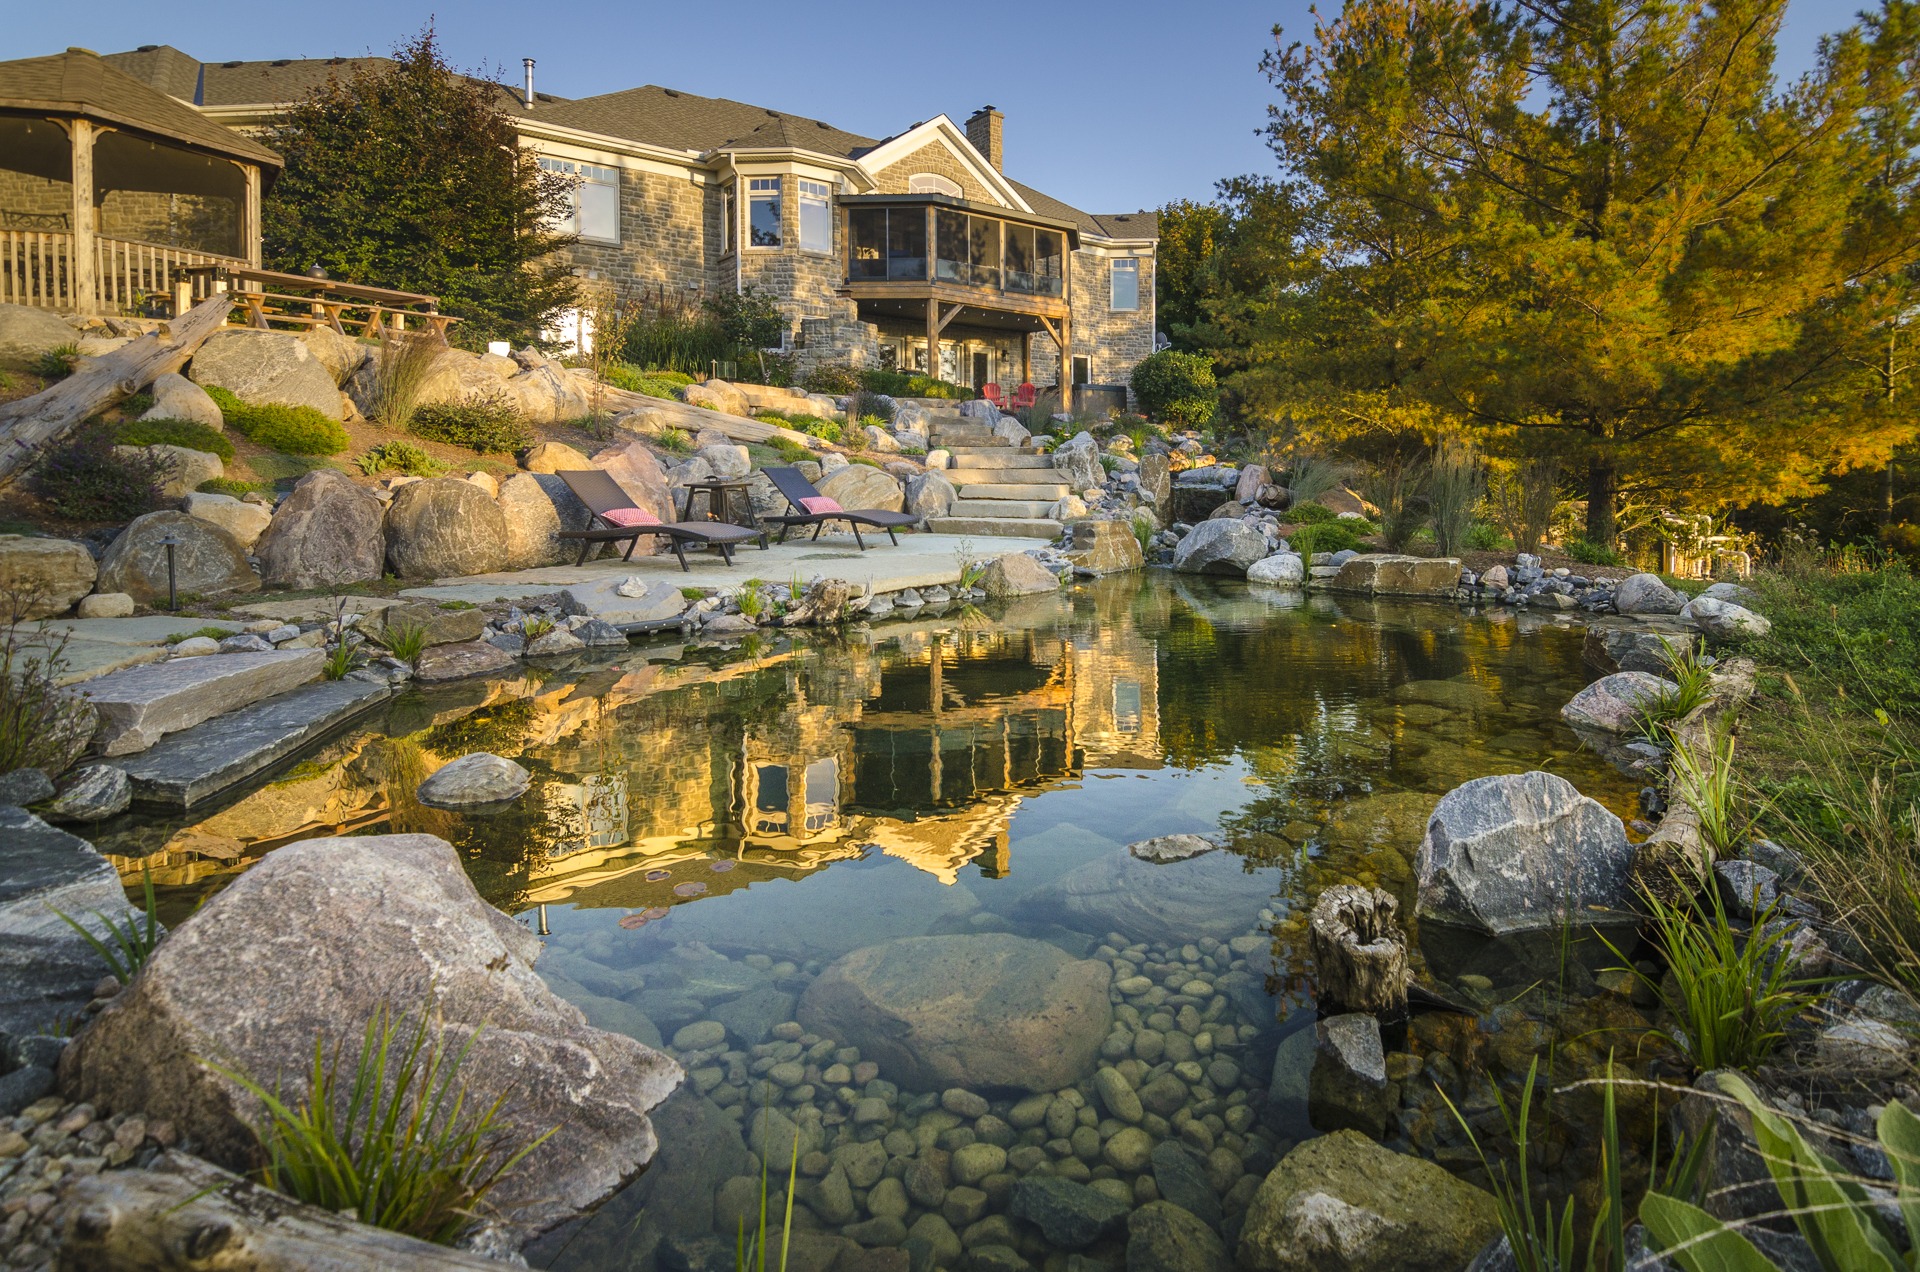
{"x": 81, "y": 83}
{"x": 675, "y": 120}
{"x": 214, "y": 84}
{"x": 1120, "y": 225}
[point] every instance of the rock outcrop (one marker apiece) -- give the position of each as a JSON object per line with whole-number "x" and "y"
{"x": 326, "y": 533}
{"x": 1389, "y": 574}
{"x": 266, "y": 367}
{"x": 444, "y": 527}
{"x": 206, "y": 559}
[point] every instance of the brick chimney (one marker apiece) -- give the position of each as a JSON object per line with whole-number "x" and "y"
{"x": 983, "y": 130}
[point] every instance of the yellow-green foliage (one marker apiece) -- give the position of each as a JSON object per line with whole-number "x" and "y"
{"x": 294, "y": 430}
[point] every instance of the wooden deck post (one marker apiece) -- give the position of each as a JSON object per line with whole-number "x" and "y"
{"x": 83, "y": 277}
{"x": 250, "y": 215}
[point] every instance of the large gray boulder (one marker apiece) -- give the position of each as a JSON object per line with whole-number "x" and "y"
{"x": 266, "y": 367}
{"x": 326, "y": 533}
{"x": 474, "y": 781}
{"x": 1220, "y": 547}
{"x": 1198, "y": 491}
{"x": 1615, "y": 704}
{"x": 47, "y": 970}
{"x": 444, "y": 527}
{"x": 26, "y": 333}
{"x": 1724, "y": 620}
{"x": 177, "y": 398}
{"x": 1156, "y": 485}
{"x": 1614, "y": 644}
{"x": 536, "y": 507}
{"x": 206, "y": 559}
{"x": 1646, "y": 594}
{"x": 246, "y": 522}
{"x": 323, "y": 936}
{"x": 1343, "y": 1201}
{"x": 861, "y": 487}
{"x": 1077, "y": 460}
{"x": 930, "y": 494}
{"x": 48, "y": 576}
{"x": 1522, "y": 852}
{"x": 978, "y": 1010}
{"x": 340, "y": 355}
{"x": 1282, "y": 569}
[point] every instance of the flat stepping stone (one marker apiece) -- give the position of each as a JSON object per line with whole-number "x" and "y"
{"x": 200, "y": 763}
{"x": 141, "y": 705}
{"x": 47, "y": 970}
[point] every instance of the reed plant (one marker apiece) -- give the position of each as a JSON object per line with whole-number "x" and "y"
{"x": 1522, "y": 500}
{"x": 130, "y": 939}
{"x": 1691, "y": 675}
{"x": 1708, "y": 785}
{"x": 402, "y": 365}
{"x": 407, "y": 641}
{"x": 386, "y": 1134}
{"x": 750, "y": 1252}
{"x": 1457, "y": 484}
{"x": 534, "y": 626}
{"x": 750, "y": 600}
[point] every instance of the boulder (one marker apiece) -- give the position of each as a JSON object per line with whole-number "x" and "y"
{"x": 1738, "y": 593}
{"x": 1522, "y": 852}
{"x": 184, "y": 468}
{"x": 727, "y": 460}
{"x": 929, "y": 494}
{"x": 1176, "y": 901}
{"x": 1282, "y": 569}
{"x": 326, "y": 533}
{"x": 863, "y": 488}
{"x": 105, "y": 605}
{"x": 637, "y": 472}
{"x": 317, "y": 939}
{"x": 45, "y": 575}
{"x": 1253, "y": 479}
{"x": 1198, "y": 491}
{"x": 1613, "y": 644}
{"x": 1077, "y": 460}
{"x": 93, "y": 792}
{"x": 1104, "y": 547}
{"x": 1165, "y": 848}
{"x": 1067, "y": 508}
{"x": 206, "y": 559}
{"x": 266, "y": 367}
{"x": 47, "y": 970}
{"x": 439, "y": 626}
{"x": 1348, "y": 1088}
{"x": 979, "y": 1010}
{"x": 139, "y": 705}
{"x": 462, "y": 661}
{"x": 246, "y": 522}
{"x": 26, "y": 333}
{"x": 1156, "y": 484}
{"x": 625, "y": 601}
{"x": 444, "y": 527}
{"x": 1017, "y": 574}
{"x": 340, "y": 355}
{"x": 177, "y": 398}
{"x": 879, "y": 440}
{"x": 486, "y": 482}
{"x": 1220, "y": 547}
{"x": 1390, "y": 574}
{"x": 1161, "y": 1237}
{"x": 1613, "y": 704}
{"x": 1069, "y": 1215}
{"x": 1725, "y": 620}
{"x": 1646, "y": 594}
{"x": 1343, "y": 1201}
{"x": 536, "y": 507}
{"x": 554, "y": 457}
{"x": 550, "y": 394}
{"x": 474, "y": 780}
{"x": 716, "y": 395}
{"x": 1010, "y": 430}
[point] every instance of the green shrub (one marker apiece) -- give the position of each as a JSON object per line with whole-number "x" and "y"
{"x": 1482, "y": 537}
{"x": 1323, "y": 538}
{"x": 42, "y": 725}
{"x": 232, "y": 486}
{"x": 1309, "y": 514}
{"x": 292, "y": 430}
{"x": 485, "y": 422}
{"x": 831, "y": 379}
{"x": 905, "y": 384}
{"x": 657, "y": 384}
{"x": 174, "y": 433}
{"x": 826, "y": 430}
{"x": 866, "y": 402}
{"x": 83, "y": 478}
{"x": 791, "y": 451}
{"x": 399, "y": 456}
{"x": 1594, "y": 553}
{"x": 57, "y": 363}
{"x": 674, "y": 441}
{"x": 1177, "y": 387}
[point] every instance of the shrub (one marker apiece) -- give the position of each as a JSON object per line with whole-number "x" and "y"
{"x": 174, "y": 433}
{"x": 485, "y": 422}
{"x": 401, "y": 366}
{"x": 911, "y": 384}
{"x": 826, "y": 430}
{"x": 866, "y": 403}
{"x": 57, "y": 363}
{"x": 1482, "y": 537}
{"x": 1324, "y": 537}
{"x": 399, "y": 456}
{"x": 674, "y": 441}
{"x": 834, "y": 379}
{"x": 1311, "y": 514}
{"x": 1457, "y": 485}
{"x": 1588, "y": 553}
{"x": 1523, "y": 500}
{"x": 83, "y": 478}
{"x": 292, "y": 430}
{"x": 231, "y": 486}
{"x": 41, "y": 725}
{"x": 1177, "y": 387}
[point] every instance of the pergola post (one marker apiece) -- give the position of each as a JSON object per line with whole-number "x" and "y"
{"x": 250, "y": 214}
{"x": 83, "y": 278}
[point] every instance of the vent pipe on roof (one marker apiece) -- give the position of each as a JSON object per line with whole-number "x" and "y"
{"x": 527, "y": 62}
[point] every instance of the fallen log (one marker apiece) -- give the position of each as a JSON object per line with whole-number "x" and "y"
{"x": 694, "y": 418}
{"x": 28, "y": 425}
{"x": 1359, "y": 952}
{"x": 184, "y": 1214}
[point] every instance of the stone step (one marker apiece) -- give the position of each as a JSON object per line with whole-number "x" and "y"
{"x": 996, "y": 527}
{"x": 1048, "y": 491}
{"x": 141, "y": 705}
{"x": 998, "y": 457}
{"x": 1016, "y": 508}
{"x": 950, "y": 439}
{"x": 975, "y": 473}
{"x": 196, "y": 764}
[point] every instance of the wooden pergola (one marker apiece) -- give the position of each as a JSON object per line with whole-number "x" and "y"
{"x": 72, "y": 118}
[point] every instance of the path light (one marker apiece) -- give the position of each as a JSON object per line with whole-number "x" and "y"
{"x": 170, "y": 541}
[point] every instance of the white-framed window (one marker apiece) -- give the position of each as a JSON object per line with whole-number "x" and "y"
{"x": 763, "y": 212}
{"x": 594, "y": 207}
{"x": 933, "y": 183}
{"x": 816, "y": 216}
{"x": 1126, "y": 283}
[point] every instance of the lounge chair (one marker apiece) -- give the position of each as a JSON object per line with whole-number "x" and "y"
{"x": 616, "y": 517}
{"x": 808, "y": 507}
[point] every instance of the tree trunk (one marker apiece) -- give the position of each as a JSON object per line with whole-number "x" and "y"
{"x": 1359, "y": 952}
{"x": 1600, "y": 500}
{"x": 29, "y": 425}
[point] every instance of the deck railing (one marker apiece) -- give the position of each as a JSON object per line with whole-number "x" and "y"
{"x": 36, "y": 268}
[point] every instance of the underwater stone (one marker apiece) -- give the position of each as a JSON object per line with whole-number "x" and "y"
{"x": 474, "y": 780}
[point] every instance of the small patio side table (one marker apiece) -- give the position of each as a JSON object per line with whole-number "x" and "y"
{"x": 727, "y": 499}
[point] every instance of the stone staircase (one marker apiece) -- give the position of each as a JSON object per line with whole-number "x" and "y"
{"x": 1004, "y": 490}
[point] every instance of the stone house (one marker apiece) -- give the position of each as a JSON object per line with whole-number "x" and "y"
{"x": 915, "y": 251}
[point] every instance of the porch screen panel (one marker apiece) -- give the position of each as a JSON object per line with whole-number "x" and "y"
{"x": 1020, "y": 258}
{"x": 983, "y": 250}
{"x": 907, "y": 243}
{"x": 867, "y": 243}
{"x": 950, "y": 247}
{"x": 1047, "y": 271}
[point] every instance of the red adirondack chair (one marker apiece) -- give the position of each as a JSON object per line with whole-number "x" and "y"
{"x": 991, "y": 392}
{"x": 1023, "y": 397}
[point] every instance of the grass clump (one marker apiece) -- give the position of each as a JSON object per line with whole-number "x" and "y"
{"x": 58, "y": 362}
{"x": 292, "y": 430}
{"x": 1589, "y": 553}
{"x": 231, "y": 486}
{"x": 911, "y": 384}
{"x": 401, "y": 367}
{"x": 387, "y": 1134}
{"x": 399, "y": 456}
{"x": 1324, "y": 537}
{"x": 210, "y": 632}
{"x": 406, "y": 641}
{"x": 130, "y": 939}
{"x": 674, "y": 441}
{"x": 1691, "y": 675}
{"x": 485, "y": 422}
{"x": 1708, "y": 786}
{"x": 83, "y": 478}
{"x": 41, "y": 724}
{"x": 174, "y": 433}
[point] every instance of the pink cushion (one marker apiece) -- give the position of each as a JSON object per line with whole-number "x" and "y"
{"x": 820, "y": 503}
{"x": 631, "y": 517}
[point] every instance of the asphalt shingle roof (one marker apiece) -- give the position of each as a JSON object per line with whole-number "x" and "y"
{"x": 675, "y": 120}
{"x": 80, "y": 82}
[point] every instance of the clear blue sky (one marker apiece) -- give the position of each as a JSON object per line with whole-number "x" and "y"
{"x": 1111, "y": 106}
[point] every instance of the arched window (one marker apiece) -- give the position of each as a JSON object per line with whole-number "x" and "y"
{"x": 932, "y": 183}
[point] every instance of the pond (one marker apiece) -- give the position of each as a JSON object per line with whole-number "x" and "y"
{"x": 872, "y": 890}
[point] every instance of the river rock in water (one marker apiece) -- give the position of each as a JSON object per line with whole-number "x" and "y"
{"x": 981, "y": 1010}
{"x": 315, "y": 941}
{"x": 1208, "y": 895}
{"x": 474, "y": 780}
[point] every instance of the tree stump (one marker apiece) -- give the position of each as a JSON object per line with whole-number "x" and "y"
{"x": 1359, "y": 952}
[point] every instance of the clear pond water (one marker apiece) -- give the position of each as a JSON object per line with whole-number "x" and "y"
{"x": 720, "y": 846}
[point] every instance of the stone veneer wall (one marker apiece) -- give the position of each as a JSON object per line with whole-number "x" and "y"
{"x": 803, "y": 283}
{"x": 841, "y": 341}
{"x": 937, "y": 159}
{"x": 195, "y": 222}
{"x": 1117, "y": 342}
{"x": 669, "y": 238}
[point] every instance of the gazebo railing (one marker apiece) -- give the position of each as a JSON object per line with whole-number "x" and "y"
{"x": 36, "y": 268}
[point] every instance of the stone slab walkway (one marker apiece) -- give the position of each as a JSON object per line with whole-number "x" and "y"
{"x": 99, "y": 646}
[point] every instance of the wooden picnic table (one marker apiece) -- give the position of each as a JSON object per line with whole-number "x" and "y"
{"x": 328, "y": 303}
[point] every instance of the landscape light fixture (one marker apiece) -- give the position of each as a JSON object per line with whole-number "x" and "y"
{"x": 170, "y": 541}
